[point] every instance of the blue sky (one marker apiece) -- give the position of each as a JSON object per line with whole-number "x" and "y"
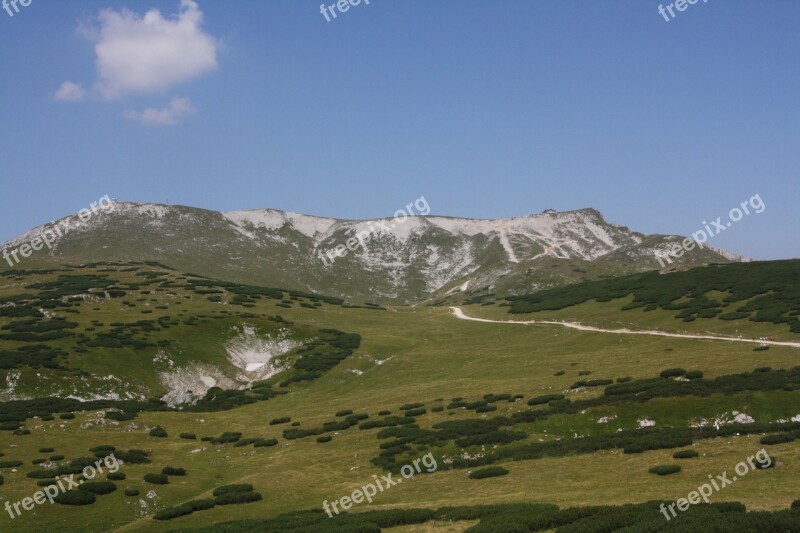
{"x": 488, "y": 109}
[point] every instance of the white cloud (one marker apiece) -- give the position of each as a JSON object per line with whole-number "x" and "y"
{"x": 177, "y": 109}
{"x": 70, "y": 92}
{"x": 150, "y": 54}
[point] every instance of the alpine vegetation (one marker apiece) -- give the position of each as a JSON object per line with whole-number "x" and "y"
{"x": 368, "y": 491}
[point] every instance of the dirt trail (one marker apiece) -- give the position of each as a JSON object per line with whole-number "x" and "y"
{"x": 623, "y": 331}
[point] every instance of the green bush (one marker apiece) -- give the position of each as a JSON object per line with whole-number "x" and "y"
{"x": 777, "y": 438}
{"x": 66, "y": 416}
{"x": 665, "y": 470}
{"x": 228, "y": 437}
{"x": 672, "y": 373}
{"x": 237, "y": 497}
{"x": 172, "y": 471}
{"x": 46, "y": 450}
{"x": 133, "y": 456}
{"x": 385, "y": 412}
{"x": 56, "y": 457}
{"x": 116, "y": 476}
{"x": 156, "y": 479}
{"x": 78, "y": 464}
{"x": 188, "y": 436}
{"x": 491, "y": 471}
{"x": 796, "y": 504}
{"x": 547, "y": 398}
{"x": 324, "y": 438}
{"x": 99, "y": 487}
{"x": 75, "y": 497}
{"x": 592, "y": 383}
{"x": 281, "y": 420}
{"x": 344, "y": 412}
{"x": 174, "y": 512}
{"x": 685, "y": 454}
{"x": 45, "y": 482}
{"x": 245, "y": 442}
{"x": 158, "y": 431}
{"x": 262, "y": 443}
{"x": 389, "y": 421}
{"x": 131, "y": 492}
{"x": 184, "y": 509}
{"x": 39, "y": 461}
{"x": 202, "y": 505}
{"x": 42, "y": 474}
{"x": 694, "y": 374}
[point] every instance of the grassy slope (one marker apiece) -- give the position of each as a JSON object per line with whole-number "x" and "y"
{"x": 611, "y": 314}
{"x": 430, "y": 355}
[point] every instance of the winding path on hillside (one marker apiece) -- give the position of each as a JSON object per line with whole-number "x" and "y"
{"x": 622, "y": 331}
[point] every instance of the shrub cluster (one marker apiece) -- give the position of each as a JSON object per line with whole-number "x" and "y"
{"x": 772, "y": 299}
{"x": 156, "y": 479}
{"x": 234, "y": 494}
{"x": 184, "y": 509}
{"x": 686, "y": 454}
{"x": 159, "y": 432}
{"x": 491, "y": 471}
{"x": 238, "y": 497}
{"x": 665, "y": 470}
{"x": 75, "y": 497}
{"x": 592, "y": 383}
{"x": 546, "y": 398}
{"x": 99, "y": 487}
{"x": 137, "y": 457}
{"x": 780, "y": 438}
{"x": 672, "y": 373}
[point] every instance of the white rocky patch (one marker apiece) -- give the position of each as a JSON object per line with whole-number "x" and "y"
{"x": 188, "y": 383}
{"x": 735, "y": 417}
{"x": 162, "y": 360}
{"x": 253, "y": 354}
{"x": 646, "y": 423}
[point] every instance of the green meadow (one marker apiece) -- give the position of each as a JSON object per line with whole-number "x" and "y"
{"x": 472, "y": 380}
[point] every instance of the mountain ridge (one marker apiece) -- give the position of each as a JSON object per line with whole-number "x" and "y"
{"x": 420, "y": 258}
